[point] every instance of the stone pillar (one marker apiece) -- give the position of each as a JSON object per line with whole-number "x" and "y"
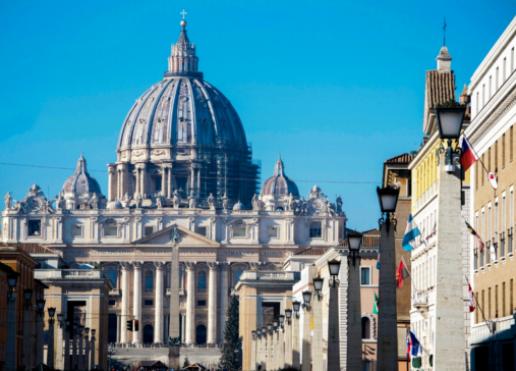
{"x": 254, "y": 348}
{"x": 87, "y": 350}
{"x": 354, "y": 339}
{"x": 59, "y": 358}
{"x": 124, "y": 307}
{"x": 387, "y": 327}
{"x": 10, "y": 349}
{"x": 306, "y": 353}
{"x": 66, "y": 337}
{"x": 190, "y": 304}
{"x": 212, "y": 303}
{"x": 288, "y": 343}
{"x": 316, "y": 341}
{"x": 450, "y": 310}
{"x": 159, "y": 294}
{"x": 173, "y": 324}
{"x": 137, "y": 302}
{"x": 334, "y": 329}
{"x": 296, "y": 349}
{"x": 224, "y": 297}
{"x": 122, "y": 183}
{"x": 51, "y": 343}
{"x": 163, "y": 179}
{"x": 112, "y": 182}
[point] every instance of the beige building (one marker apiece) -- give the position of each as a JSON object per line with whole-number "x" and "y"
{"x": 491, "y": 133}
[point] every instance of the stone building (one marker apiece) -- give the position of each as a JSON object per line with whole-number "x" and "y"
{"x": 491, "y": 133}
{"x": 184, "y": 178}
{"x": 427, "y": 316}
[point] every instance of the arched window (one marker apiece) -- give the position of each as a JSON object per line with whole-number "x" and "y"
{"x": 200, "y": 335}
{"x": 149, "y": 280}
{"x": 366, "y": 328}
{"x": 201, "y": 280}
{"x": 239, "y": 229}
{"x": 148, "y": 334}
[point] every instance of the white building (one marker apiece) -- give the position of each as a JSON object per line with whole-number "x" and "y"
{"x": 491, "y": 133}
{"x": 182, "y": 165}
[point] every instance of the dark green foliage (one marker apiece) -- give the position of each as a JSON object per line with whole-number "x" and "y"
{"x": 231, "y": 359}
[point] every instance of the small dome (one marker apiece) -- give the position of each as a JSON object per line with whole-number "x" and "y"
{"x": 80, "y": 182}
{"x": 279, "y": 185}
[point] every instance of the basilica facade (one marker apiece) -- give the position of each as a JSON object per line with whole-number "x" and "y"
{"x": 183, "y": 177}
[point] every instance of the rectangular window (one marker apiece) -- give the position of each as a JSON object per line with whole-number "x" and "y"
{"x": 77, "y": 230}
{"x": 273, "y": 231}
{"x": 489, "y": 303}
{"x": 496, "y": 302}
{"x": 148, "y": 230}
{"x": 503, "y": 151}
{"x": 483, "y": 300}
{"x": 112, "y": 302}
{"x": 365, "y": 276}
{"x": 201, "y": 230}
{"x": 477, "y": 310}
{"x": 483, "y": 172}
{"x": 201, "y": 303}
{"x": 503, "y": 299}
{"x": 496, "y": 156}
{"x": 497, "y": 77}
{"x": 34, "y": 227}
{"x": 475, "y": 259}
{"x": 504, "y": 68}
{"x": 477, "y": 168}
{"x": 511, "y": 295}
{"x": 239, "y": 229}
{"x": 110, "y": 228}
{"x": 511, "y": 141}
{"x": 315, "y": 230}
{"x": 148, "y": 302}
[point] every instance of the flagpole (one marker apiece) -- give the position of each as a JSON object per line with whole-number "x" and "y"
{"x": 480, "y": 307}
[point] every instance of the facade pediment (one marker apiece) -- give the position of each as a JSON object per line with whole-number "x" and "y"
{"x": 174, "y": 233}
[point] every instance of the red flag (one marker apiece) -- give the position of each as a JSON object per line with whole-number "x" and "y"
{"x": 401, "y": 273}
{"x": 467, "y": 157}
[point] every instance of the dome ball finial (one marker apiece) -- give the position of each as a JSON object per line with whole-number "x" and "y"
{"x": 182, "y": 23}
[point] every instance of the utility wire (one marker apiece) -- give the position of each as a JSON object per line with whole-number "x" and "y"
{"x": 312, "y": 181}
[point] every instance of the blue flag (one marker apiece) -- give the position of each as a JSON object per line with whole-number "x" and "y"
{"x": 411, "y": 233}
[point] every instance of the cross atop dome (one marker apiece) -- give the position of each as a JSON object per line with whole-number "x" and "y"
{"x": 183, "y": 60}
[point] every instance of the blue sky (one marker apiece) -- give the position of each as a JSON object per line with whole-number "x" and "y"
{"x": 335, "y": 87}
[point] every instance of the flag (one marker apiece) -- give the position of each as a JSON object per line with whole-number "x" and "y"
{"x": 492, "y": 180}
{"x": 413, "y": 345}
{"x": 401, "y": 273}
{"x": 471, "y": 299}
{"x": 477, "y": 238}
{"x": 378, "y": 262}
{"x": 375, "y": 303}
{"x": 411, "y": 233}
{"x": 467, "y": 156}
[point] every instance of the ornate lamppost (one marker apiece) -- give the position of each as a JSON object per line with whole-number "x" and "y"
{"x": 387, "y": 325}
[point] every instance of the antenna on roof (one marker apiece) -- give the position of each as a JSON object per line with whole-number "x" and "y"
{"x": 444, "y": 31}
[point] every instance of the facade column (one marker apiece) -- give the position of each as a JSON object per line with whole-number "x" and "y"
{"x": 158, "y": 300}
{"x": 212, "y": 303}
{"x": 163, "y": 180}
{"x": 334, "y": 324}
{"x": 137, "y": 301}
{"x": 224, "y": 296}
{"x": 190, "y": 304}
{"x": 124, "y": 310}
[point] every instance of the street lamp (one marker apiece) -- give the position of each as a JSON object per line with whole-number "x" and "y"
{"x": 450, "y": 119}
{"x": 388, "y": 198}
{"x": 12, "y": 280}
{"x": 288, "y": 315}
{"x": 318, "y": 285}
{"x": 50, "y": 353}
{"x": 307, "y": 297}
{"x": 40, "y": 306}
{"x": 282, "y": 320}
{"x": 354, "y": 244}
{"x": 334, "y": 268}
{"x": 296, "y": 306}
{"x": 27, "y": 296}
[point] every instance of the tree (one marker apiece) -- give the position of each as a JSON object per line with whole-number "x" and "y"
{"x": 231, "y": 358}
